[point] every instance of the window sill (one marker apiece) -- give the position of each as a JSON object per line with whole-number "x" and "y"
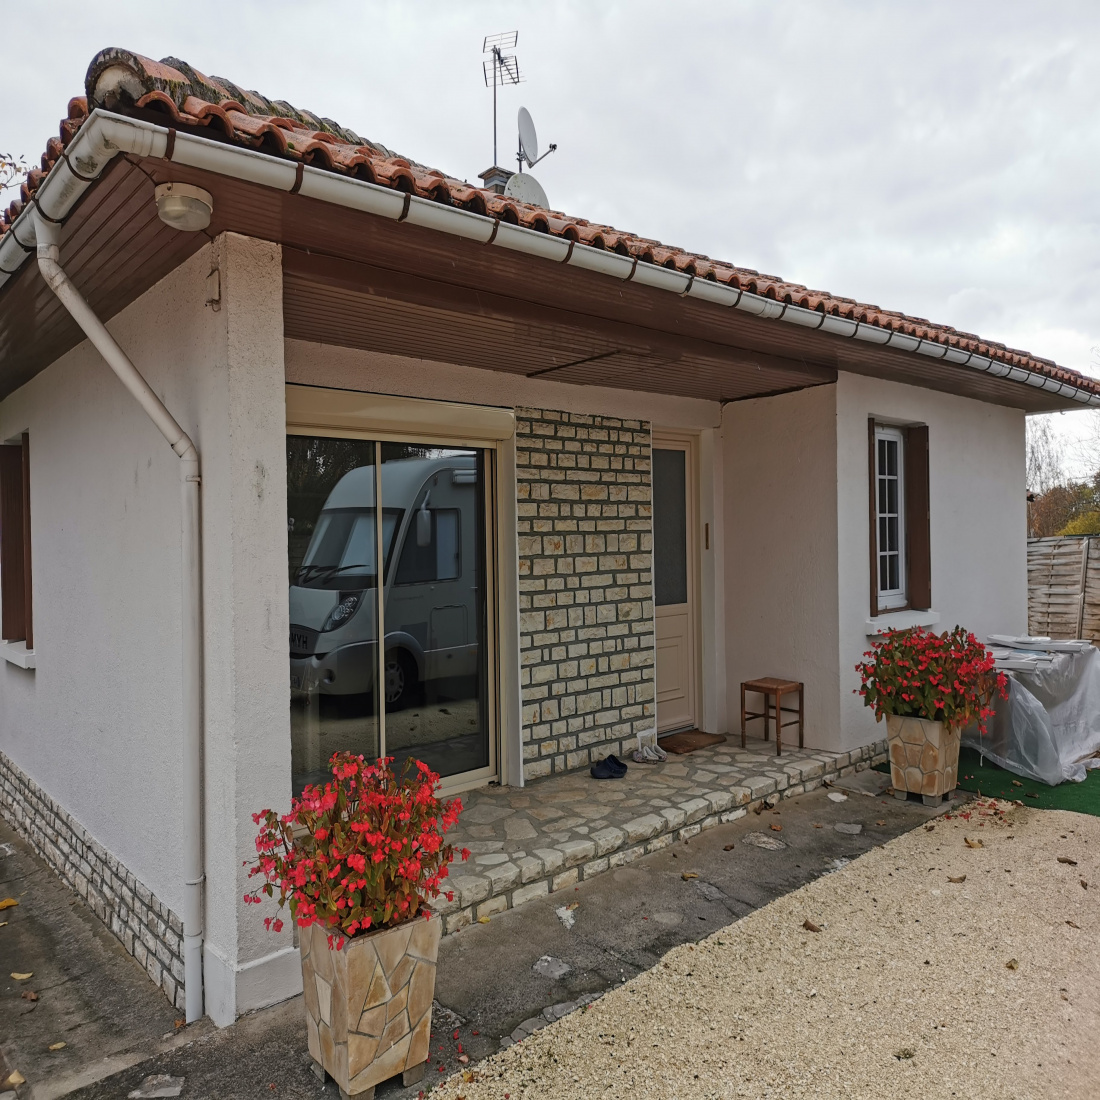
{"x": 17, "y": 653}
{"x": 900, "y": 620}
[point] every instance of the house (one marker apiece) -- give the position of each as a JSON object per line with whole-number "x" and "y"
{"x": 583, "y": 484}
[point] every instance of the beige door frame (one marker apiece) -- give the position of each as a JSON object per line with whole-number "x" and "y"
{"x": 691, "y": 710}
{"x": 354, "y": 414}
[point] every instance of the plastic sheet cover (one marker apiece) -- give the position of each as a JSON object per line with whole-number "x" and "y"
{"x": 1049, "y": 726}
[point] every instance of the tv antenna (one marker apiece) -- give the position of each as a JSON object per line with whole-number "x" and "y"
{"x": 500, "y": 68}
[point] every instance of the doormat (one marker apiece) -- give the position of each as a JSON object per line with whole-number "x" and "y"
{"x": 689, "y": 741}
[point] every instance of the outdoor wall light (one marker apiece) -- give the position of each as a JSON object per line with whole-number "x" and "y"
{"x": 184, "y": 206}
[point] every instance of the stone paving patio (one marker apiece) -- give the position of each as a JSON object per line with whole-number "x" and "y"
{"x": 549, "y": 835}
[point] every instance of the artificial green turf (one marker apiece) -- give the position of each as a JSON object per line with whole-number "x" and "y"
{"x": 988, "y": 779}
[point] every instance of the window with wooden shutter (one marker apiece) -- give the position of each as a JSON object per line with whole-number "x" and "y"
{"x": 16, "y": 618}
{"x": 900, "y": 548}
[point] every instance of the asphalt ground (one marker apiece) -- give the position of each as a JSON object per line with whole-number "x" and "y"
{"x": 118, "y": 1029}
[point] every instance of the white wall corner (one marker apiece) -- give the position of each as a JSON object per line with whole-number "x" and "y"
{"x": 246, "y": 617}
{"x": 231, "y": 991}
{"x": 780, "y": 552}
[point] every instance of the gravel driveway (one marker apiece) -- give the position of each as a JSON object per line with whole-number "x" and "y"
{"x": 914, "y": 986}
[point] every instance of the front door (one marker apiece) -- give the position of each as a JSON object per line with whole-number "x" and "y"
{"x": 674, "y": 582}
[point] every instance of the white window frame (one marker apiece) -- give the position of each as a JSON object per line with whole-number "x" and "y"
{"x": 891, "y": 598}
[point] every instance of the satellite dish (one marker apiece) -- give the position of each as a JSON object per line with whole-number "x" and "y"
{"x": 528, "y": 142}
{"x": 523, "y": 187}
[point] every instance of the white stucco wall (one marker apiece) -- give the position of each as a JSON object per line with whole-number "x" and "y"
{"x": 796, "y": 536}
{"x": 97, "y": 723}
{"x": 978, "y": 519}
{"x": 780, "y": 553}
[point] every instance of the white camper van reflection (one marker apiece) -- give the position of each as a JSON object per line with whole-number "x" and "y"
{"x": 429, "y": 521}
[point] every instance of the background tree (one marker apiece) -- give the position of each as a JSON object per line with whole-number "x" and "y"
{"x": 1070, "y": 509}
{"x": 12, "y": 171}
{"x": 1044, "y": 455}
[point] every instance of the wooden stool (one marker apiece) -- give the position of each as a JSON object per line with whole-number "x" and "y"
{"x": 769, "y": 685}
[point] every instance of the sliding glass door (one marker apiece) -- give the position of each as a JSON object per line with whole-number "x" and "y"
{"x": 390, "y": 540}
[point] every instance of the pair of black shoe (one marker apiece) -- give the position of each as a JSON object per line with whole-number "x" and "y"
{"x": 611, "y": 767}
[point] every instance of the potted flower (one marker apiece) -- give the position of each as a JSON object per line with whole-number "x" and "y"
{"x": 357, "y": 861}
{"x": 929, "y": 687}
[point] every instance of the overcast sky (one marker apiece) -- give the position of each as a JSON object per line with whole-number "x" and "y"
{"x": 937, "y": 158}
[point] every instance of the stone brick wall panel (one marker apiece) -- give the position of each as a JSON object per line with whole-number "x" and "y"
{"x": 586, "y": 587}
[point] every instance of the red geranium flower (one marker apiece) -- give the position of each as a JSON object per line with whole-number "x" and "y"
{"x": 953, "y": 682}
{"x": 365, "y": 851}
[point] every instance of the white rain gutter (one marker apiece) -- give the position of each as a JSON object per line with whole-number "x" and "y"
{"x": 48, "y": 238}
{"x": 104, "y": 135}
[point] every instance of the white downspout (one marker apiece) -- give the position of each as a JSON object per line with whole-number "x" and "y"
{"x": 48, "y": 240}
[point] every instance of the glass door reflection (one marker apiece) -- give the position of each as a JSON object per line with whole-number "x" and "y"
{"x": 430, "y": 535}
{"x": 436, "y": 657}
{"x": 332, "y": 542}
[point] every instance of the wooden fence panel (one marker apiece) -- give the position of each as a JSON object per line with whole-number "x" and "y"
{"x": 1091, "y": 618}
{"x": 1056, "y": 573}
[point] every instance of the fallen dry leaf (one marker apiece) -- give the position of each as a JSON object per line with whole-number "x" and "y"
{"x": 1030, "y": 794}
{"x": 22, "y": 977}
{"x": 1084, "y": 885}
{"x": 179, "y": 1023}
{"x": 810, "y": 926}
{"x": 7, "y": 903}
{"x": 728, "y": 847}
{"x": 929, "y": 828}
{"x": 973, "y": 843}
{"x": 1066, "y": 859}
{"x": 880, "y": 822}
{"x": 15, "y": 1079}
{"x": 3, "y": 923}
{"x": 482, "y": 920}
{"x": 688, "y": 874}
{"x": 29, "y": 995}
{"x": 464, "y": 1059}
{"x": 818, "y": 826}
{"x": 776, "y": 828}
{"x": 57, "y": 1046}
{"x": 956, "y": 878}
{"x": 573, "y": 905}
{"x": 1072, "y": 925}
{"x": 1016, "y": 783}
{"x": 1012, "y": 964}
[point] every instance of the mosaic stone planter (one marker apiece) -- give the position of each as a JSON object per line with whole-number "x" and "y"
{"x": 369, "y": 1005}
{"x": 924, "y": 758}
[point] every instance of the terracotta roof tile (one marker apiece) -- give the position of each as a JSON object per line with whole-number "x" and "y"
{"x": 188, "y": 98}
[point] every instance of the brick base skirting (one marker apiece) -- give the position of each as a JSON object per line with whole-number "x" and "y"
{"x": 143, "y": 925}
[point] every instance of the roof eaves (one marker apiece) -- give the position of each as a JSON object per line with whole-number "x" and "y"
{"x": 178, "y": 96}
